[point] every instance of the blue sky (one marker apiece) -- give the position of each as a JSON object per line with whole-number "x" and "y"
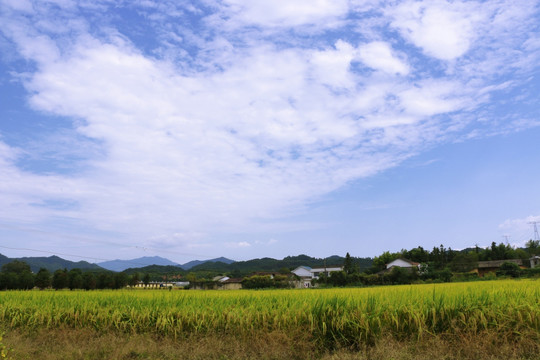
{"x": 266, "y": 128}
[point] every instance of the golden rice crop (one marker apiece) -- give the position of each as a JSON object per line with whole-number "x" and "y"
{"x": 331, "y": 316}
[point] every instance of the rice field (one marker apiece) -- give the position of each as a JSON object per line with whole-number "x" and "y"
{"x": 330, "y": 317}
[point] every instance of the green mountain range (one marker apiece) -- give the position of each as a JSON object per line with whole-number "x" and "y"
{"x": 51, "y": 263}
{"x": 214, "y": 266}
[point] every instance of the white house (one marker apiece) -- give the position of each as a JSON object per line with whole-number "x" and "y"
{"x": 318, "y": 271}
{"x": 303, "y": 271}
{"x": 404, "y": 263}
{"x": 307, "y": 274}
{"x": 535, "y": 261}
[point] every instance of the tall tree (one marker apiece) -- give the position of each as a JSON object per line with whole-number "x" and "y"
{"x": 146, "y": 279}
{"x": 89, "y": 281}
{"x": 60, "y": 279}
{"x": 75, "y": 279}
{"x": 349, "y": 266}
{"x": 16, "y": 266}
{"x": 533, "y": 247}
{"x": 43, "y": 279}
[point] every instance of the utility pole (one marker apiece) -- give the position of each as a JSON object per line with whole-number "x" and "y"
{"x": 536, "y": 236}
{"x": 506, "y": 238}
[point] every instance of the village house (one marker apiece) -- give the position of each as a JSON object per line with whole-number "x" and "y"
{"x": 159, "y": 284}
{"x": 492, "y": 266}
{"x": 231, "y": 284}
{"x": 307, "y": 274}
{"x": 220, "y": 278}
{"x": 402, "y": 263}
{"x": 535, "y": 261}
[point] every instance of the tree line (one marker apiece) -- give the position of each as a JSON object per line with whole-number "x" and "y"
{"x": 17, "y": 275}
{"x": 441, "y": 264}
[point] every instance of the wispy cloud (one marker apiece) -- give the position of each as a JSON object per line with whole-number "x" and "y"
{"x": 520, "y": 230}
{"x": 216, "y": 126}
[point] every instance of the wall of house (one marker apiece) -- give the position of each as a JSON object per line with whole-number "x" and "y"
{"x": 232, "y": 286}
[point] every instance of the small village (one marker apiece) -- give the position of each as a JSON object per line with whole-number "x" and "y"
{"x": 307, "y": 277}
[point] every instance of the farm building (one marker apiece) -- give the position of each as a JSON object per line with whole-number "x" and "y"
{"x": 307, "y": 274}
{"x": 303, "y": 272}
{"x": 325, "y": 270}
{"x": 485, "y": 267}
{"x": 160, "y": 284}
{"x": 231, "y": 284}
{"x": 535, "y": 261}
{"x": 403, "y": 263}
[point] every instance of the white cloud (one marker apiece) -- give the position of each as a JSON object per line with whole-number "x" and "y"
{"x": 331, "y": 66}
{"x": 266, "y": 243}
{"x": 20, "y": 5}
{"x": 431, "y": 98}
{"x": 520, "y": 230}
{"x": 240, "y": 244}
{"x": 242, "y": 128}
{"x": 379, "y": 55}
{"x": 443, "y": 29}
{"x": 519, "y": 224}
{"x": 286, "y": 12}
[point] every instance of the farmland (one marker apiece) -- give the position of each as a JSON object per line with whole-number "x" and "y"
{"x": 304, "y": 323}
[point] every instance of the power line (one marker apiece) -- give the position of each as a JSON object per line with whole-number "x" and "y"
{"x": 72, "y": 255}
{"x": 536, "y": 235}
{"x": 95, "y": 241}
{"x": 53, "y": 253}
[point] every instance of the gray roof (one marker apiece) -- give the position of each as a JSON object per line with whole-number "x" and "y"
{"x": 498, "y": 263}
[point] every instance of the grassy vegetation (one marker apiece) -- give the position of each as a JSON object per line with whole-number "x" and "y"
{"x": 308, "y": 323}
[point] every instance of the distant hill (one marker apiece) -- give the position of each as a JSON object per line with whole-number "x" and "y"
{"x": 4, "y": 259}
{"x": 121, "y": 265}
{"x": 270, "y": 264}
{"x": 51, "y": 263}
{"x": 157, "y": 270}
{"x": 193, "y": 263}
{"x": 160, "y": 266}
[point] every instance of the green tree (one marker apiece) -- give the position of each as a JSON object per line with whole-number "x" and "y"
{"x": 464, "y": 262}
{"x": 338, "y": 278}
{"x": 533, "y": 247}
{"x": 134, "y": 280}
{"x": 349, "y": 266}
{"x": 444, "y": 275}
{"x": 43, "y": 279}
{"x": 75, "y": 279}
{"x": 284, "y": 271}
{"x": 9, "y": 281}
{"x": 440, "y": 257}
{"x": 509, "y": 269}
{"x": 146, "y": 279}
{"x": 17, "y": 275}
{"x": 399, "y": 275}
{"x": 105, "y": 280}
{"x": 89, "y": 281}
{"x": 26, "y": 280}
{"x": 417, "y": 254}
{"x": 120, "y": 280}
{"x": 258, "y": 282}
{"x": 60, "y": 279}
{"x": 16, "y": 266}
